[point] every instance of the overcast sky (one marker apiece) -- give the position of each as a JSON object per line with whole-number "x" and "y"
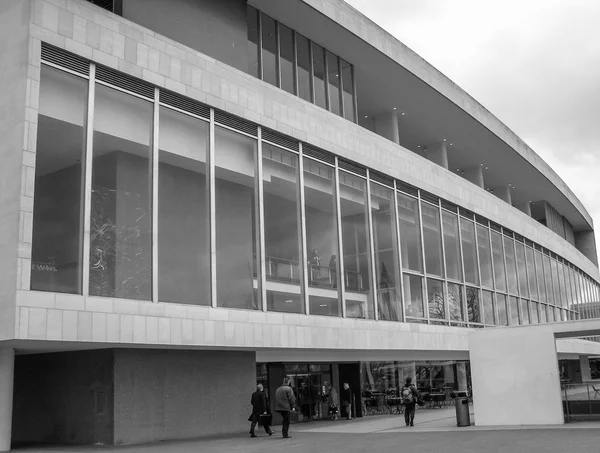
{"x": 535, "y": 64}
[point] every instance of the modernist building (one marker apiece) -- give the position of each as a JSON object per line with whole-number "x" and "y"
{"x": 196, "y": 194}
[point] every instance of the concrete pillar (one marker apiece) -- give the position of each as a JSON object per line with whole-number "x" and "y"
{"x": 386, "y": 125}
{"x": 584, "y": 365}
{"x": 525, "y": 207}
{"x": 474, "y": 175}
{"x": 461, "y": 376}
{"x": 504, "y": 194}
{"x": 7, "y": 373}
{"x": 437, "y": 153}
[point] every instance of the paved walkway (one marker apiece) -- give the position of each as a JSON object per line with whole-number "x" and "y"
{"x": 435, "y": 432}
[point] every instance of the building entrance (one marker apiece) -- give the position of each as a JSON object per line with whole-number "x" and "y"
{"x": 310, "y": 385}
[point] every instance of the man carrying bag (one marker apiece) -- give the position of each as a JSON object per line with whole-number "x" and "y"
{"x": 260, "y": 412}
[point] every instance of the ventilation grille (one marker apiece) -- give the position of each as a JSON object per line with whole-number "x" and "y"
{"x": 519, "y": 238}
{"x": 507, "y": 233}
{"x": 407, "y": 188}
{"x": 537, "y": 247}
{"x": 495, "y": 227}
{"x": 481, "y": 220}
{"x": 124, "y": 81}
{"x": 449, "y": 206}
{"x": 466, "y": 213}
{"x": 64, "y": 59}
{"x": 317, "y": 153}
{"x": 185, "y": 104}
{"x": 105, "y": 4}
{"x": 429, "y": 197}
{"x": 279, "y": 139}
{"x": 529, "y": 243}
{"x": 381, "y": 179}
{"x": 545, "y": 251}
{"x": 352, "y": 168}
{"x": 236, "y": 123}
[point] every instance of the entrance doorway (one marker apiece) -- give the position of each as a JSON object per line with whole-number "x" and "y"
{"x": 309, "y": 383}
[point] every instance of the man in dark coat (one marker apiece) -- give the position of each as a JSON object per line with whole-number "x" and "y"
{"x": 259, "y": 407}
{"x": 347, "y": 400}
{"x": 285, "y": 402}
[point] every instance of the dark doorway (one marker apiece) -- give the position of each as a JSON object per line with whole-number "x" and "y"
{"x": 350, "y": 373}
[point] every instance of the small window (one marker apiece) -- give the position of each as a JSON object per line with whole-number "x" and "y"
{"x": 114, "y": 6}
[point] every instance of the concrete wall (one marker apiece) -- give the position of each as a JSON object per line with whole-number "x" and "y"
{"x": 585, "y": 241}
{"x": 181, "y": 394}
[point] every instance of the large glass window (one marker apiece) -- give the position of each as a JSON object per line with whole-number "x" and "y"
{"x": 435, "y": 299}
{"x": 282, "y": 230}
{"x": 452, "y": 246}
{"x": 502, "y": 310}
{"x": 410, "y": 233}
{"x": 56, "y": 253}
{"x": 235, "y": 163}
{"x": 183, "y": 264}
{"x": 498, "y": 255}
{"x": 432, "y": 239}
{"x": 319, "y": 75}
{"x": 531, "y": 276}
{"x": 511, "y": 266}
{"x": 413, "y": 296}
{"x": 455, "y": 302}
{"x": 473, "y": 304}
{"x": 488, "y": 308}
{"x": 543, "y": 317}
{"x": 535, "y": 316}
{"x": 467, "y": 231}
{"x": 564, "y": 297}
{"x": 334, "y": 81}
{"x": 252, "y": 22}
{"x": 514, "y": 311}
{"x": 485, "y": 256}
{"x": 555, "y": 281}
{"x": 321, "y": 238}
{"x": 353, "y": 211}
{"x": 548, "y": 279}
{"x": 121, "y": 227}
{"x": 525, "y": 311}
{"x": 539, "y": 269}
{"x": 269, "y": 49}
{"x": 303, "y": 69}
{"x": 388, "y": 290}
{"x": 348, "y": 90}
{"x": 286, "y": 61}
{"x": 522, "y": 269}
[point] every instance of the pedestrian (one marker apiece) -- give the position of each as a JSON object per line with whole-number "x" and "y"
{"x": 347, "y": 400}
{"x": 260, "y": 411}
{"x": 284, "y": 404}
{"x": 410, "y": 396}
{"x": 332, "y": 401}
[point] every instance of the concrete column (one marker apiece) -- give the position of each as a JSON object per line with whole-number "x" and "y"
{"x": 461, "y": 376}
{"x": 437, "y": 153}
{"x": 504, "y": 194}
{"x": 386, "y": 125}
{"x": 7, "y": 373}
{"x": 474, "y": 175}
{"x": 584, "y": 365}
{"x": 525, "y": 207}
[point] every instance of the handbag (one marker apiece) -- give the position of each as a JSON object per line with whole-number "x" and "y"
{"x": 333, "y": 409}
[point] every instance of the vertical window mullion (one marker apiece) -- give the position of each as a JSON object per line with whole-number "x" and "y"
{"x": 295, "y": 62}
{"x": 462, "y": 267}
{"x": 445, "y": 296}
{"x": 311, "y": 77}
{"x": 372, "y": 269}
{"x": 326, "y": 77}
{"x": 341, "y": 88}
{"x": 354, "y": 98}
{"x": 398, "y": 253}
{"x": 340, "y": 245}
{"x": 481, "y": 319}
{"x": 260, "y": 217}
{"x": 260, "y": 47}
{"x": 154, "y": 193}
{"x": 212, "y": 211}
{"x": 278, "y": 54}
{"x": 302, "y": 233}
{"x": 424, "y": 286}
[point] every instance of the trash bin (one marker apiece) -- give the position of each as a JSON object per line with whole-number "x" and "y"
{"x": 462, "y": 412}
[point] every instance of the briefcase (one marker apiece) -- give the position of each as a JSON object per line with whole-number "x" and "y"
{"x": 265, "y": 419}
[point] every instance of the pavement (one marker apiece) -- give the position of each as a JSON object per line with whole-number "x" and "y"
{"x": 435, "y": 431}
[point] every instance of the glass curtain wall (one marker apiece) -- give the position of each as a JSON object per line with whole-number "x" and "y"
{"x": 452, "y": 246}
{"x": 432, "y": 239}
{"x": 498, "y": 260}
{"x": 474, "y": 305}
{"x": 485, "y": 256}
{"x": 469, "y": 248}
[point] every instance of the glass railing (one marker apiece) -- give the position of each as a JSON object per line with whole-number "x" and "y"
{"x": 581, "y": 401}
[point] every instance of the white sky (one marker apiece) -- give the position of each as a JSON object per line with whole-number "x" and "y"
{"x": 535, "y": 64}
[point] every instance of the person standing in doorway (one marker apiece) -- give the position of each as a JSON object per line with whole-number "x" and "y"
{"x": 347, "y": 400}
{"x": 284, "y": 405}
{"x": 260, "y": 411}
{"x": 409, "y": 395}
{"x": 332, "y": 401}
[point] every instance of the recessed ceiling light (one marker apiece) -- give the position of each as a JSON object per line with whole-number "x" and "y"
{"x": 418, "y": 146}
{"x": 450, "y": 144}
{"x": 444, "y": 139}
{"x": 486, "y": 168}
{"x": 366, "y": 116}
{"x": 403, "y": 113}
{"x": 394, "y": 108}
{"x": 458, "y": 169}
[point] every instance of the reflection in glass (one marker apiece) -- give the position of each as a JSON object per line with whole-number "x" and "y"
{"x": 282, "y": 247}
{"x": 348, "y": 90}
{"x": 303, "y": 69}
{"x": 183, "y": 265}
{"x": 286, "y": 60}
{"x": 511, "y": 266}
{"x": 388, "y": 292}
{"x": 321, "y": 237}
{"x": 531, "y": 277}
{"x": 121, "y": 236}
{"x": 413, "y": 296}
{"x": 502, "y": 310}
{"x": 467, "y": 231}
{"x": 269, "y": 49}
{"x": 334, "y": 83}
{"x": 488, "y": 308}
{"x": 521, "y": 269}
{"x": 473, "y": 304}
{"x": 548, "y": 280}
{"x": 435, "y": 299}
{"x": 56, "y": 254}
{"x": 498, "y": 255}
{"x": 452, "y": 246}
{"x": 539, "y": 269}
{"x": 455, "y": 302}
{"x": 319, "y": 75}
{"x": 525, "y": 311}
{"x": 252, "y": 23}
{"x": 235, "y": 157}
{"x": 432, "y": 240}
{"x": 514, "y": 311}
{"x": 485, "y": 256}
{"x": 410, "y": 233}
{"x": 555, "y": 281}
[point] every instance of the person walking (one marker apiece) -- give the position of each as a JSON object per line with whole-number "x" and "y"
{"x": 332, "y": 401}
{"x": 410, "y": 396}
{"x": 284, "y": 405}
{"x": 260, "y": 411}
{"x": 347, "y": 400}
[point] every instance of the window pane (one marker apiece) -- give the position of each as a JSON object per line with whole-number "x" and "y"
{"x": 514, "y": 311}
{"x": 348, "y": 90}
{"x": 286, "y": 61}
{"x": 252, "y": 22}
{"x": 543, "y": 318}
{"x": 321, "y": 237}
{"x": 502, "y": 311}
{"x": 269, "y": 49}
{"x": 304, "y": 90}
{"x": 319, "y": 75}
{"x": 535, "y": 317}
{"x": 410, "y": 233}
{"x": 56, "y": 253}
{"x": 334, "y": 83}
{"x": 511, "y": 266}
{"x": 550, "y": 310}
{"x": 525, "y": 311}
{"x": 498, "y": 255}
{"x": 488, "y": 307}
{"x": 467, "y": 231}
{"x": 452, "y": 246}
{"x": 183, "y": 265}
{"x": 455, "y": 302}
{"x": 432, "y": 239}
{"x": 485, "y": 256}
{"x": 282, "y": 247}
{"x": 548, "y": 279}
{"x": 413, "y": 296}
{"x": 473, "y": 304}
{"x": 435, "y": 299}
{"x": 121, "y": 236}
{"x": 563, "y": 285}
{"x": 539, "y": 269}
{"x": 353, "y": 211}
{"x": 235, "y": 156}
{"x": 388, "y": 292}
{"x": 531, "y": 278}
{"x": 555, "y": 281}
